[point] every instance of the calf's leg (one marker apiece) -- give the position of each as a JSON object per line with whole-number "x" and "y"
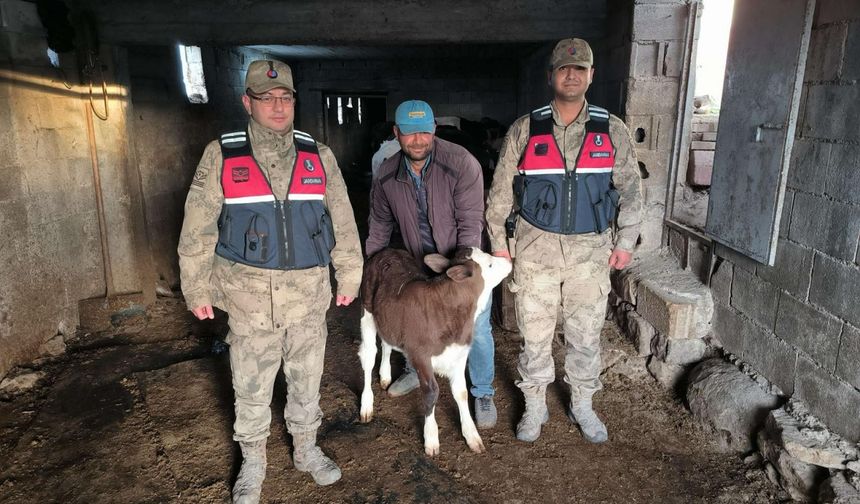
{"x": 367, "y": 355}
{"x": 385, "y": 365}
{"x": 429, "y": 395}
{"x": 457, "y": 380}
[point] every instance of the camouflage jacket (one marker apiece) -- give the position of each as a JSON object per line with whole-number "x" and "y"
{"x": 542, "y": 247}
{"x": 208, "y": 278}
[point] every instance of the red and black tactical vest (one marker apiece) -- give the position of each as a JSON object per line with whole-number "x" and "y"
{"x": 258, "y": 229}
{"x": 552, "y": 198}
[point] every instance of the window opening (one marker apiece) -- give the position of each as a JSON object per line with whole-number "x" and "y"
{"x": 192, "y": 74}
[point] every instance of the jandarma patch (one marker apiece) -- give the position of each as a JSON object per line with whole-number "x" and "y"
{"x": 599, "y": 154}
{"x": 241, "y": 174}
{"x": 312, "y": 180}
{"x": 199, "y": 178}
{"x": 417, "y": 113}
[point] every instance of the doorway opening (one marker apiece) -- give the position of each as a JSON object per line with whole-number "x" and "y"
{"x": 349, "y": 122}
{"x": 693, "y": 177}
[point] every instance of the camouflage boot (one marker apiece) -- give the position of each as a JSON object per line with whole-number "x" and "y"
{"x": 582, "y": 414}
{"x": 308, "y": 457}
{"x": 249, "y": 483}
{"x": 536, "y": 415}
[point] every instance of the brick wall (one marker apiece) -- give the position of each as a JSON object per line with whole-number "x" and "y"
{"x": 797, "y": 322}
{"x": 693, "y": 182}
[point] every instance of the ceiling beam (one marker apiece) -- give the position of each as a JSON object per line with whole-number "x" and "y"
{"x": 325, "y": 22}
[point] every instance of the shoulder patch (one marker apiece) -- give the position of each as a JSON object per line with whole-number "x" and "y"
{"x": 199, "y": 179}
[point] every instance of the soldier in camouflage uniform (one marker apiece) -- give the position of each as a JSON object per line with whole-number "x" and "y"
{"x": 275, "y": 313}
{"x": 559, "y": 233}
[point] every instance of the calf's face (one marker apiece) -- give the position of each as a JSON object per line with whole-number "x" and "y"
{"x": 493, "y": 269}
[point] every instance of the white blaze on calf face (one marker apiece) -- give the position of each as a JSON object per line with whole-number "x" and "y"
{"x": 493, "y": 270}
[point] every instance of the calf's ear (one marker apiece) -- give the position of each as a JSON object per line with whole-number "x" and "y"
{"x": 459, "y": 273}
{"x": 437, "y": 262}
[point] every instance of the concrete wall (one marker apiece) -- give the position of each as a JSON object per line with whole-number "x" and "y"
{"x": 655, "y": 55}
{"x": 467, "y": 88}
{"x": 797, "y": 322}
{"x": 170, "y": 134}
{"x": 48, "y": 216}
{"x": 145, "y": 153}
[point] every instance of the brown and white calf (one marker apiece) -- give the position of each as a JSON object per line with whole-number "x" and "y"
{"x": 430, "y": 320}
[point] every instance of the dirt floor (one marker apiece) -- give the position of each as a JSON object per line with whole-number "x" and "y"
{"x": 143, "y": 413}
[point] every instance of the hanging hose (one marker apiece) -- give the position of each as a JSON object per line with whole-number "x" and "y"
{"x": 89, "y": 71}
{"x": 62, "y": 75}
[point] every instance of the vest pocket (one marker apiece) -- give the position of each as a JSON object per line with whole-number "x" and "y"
{"x": 611, "y": 202}
{"x": 226, "y": 231}
{"x": 257, "y": 240}
{"x": 604, "y": 210}
{"x": 540, "y": 199}
{"x": 323, "y": 239}
{"x": 604, "y": 202}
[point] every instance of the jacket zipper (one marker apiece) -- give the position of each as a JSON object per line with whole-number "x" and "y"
{"x": 574, "y": 181}
{"x": 282, "y": 233}
{"x": 280, "y": 215}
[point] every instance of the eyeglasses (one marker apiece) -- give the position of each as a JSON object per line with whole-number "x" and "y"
{"x": 269, "y": 100}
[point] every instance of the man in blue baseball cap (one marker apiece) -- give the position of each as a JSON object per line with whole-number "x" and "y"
{"x": 433, "y": 191}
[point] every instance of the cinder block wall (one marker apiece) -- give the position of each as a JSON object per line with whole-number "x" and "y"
{"x": 655, "y": 53}
{"x": 469, "y": 88}
{"x": 170, "y": 133}
{"x": 797, "y": 322}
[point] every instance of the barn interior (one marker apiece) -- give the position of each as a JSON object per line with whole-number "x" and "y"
{"x": 747, "y": 268}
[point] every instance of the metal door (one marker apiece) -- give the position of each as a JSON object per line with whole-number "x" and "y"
{"x": 764, "y": 75}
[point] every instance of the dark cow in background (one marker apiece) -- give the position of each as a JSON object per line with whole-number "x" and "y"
{"x": 430, "y": 320}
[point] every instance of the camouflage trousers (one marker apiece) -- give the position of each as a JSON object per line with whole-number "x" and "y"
{"x": 280, "y": 324}
{"x": 255, "y": 361}
{"x": 581, "y": 287}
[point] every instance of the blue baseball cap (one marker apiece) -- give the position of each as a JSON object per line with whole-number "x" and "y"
{"x": 414, "y": 116}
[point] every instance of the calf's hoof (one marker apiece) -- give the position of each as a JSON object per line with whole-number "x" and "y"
{"x": 431, "y": 449}
{"x": 476, "y": 445}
